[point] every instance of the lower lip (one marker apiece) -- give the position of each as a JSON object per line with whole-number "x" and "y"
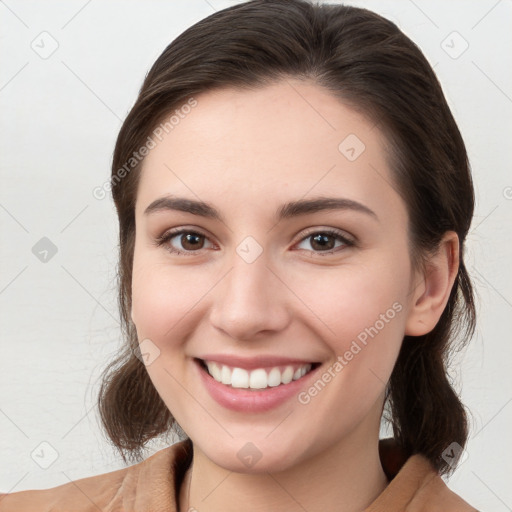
{"x": 246, "y": 400}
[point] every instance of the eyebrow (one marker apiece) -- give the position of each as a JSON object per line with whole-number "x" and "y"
{"x": 286, "y": 211}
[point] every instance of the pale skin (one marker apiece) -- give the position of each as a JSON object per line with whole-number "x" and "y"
{"x": 246, "y": 153}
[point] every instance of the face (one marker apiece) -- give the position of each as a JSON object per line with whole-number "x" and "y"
{"x": 264, "y": 292}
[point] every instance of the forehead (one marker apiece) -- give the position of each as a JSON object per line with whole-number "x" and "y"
{"x": 267, "y": 145}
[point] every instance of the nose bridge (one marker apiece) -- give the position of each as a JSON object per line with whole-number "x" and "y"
{"x": 249, "y": 298}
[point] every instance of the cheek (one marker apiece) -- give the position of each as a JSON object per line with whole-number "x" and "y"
{"x": 163, "y": 296}
{"x": 351, "y": 299}
{"x": 148, "y": 300}
{"x": 163, "y": 300}
{"x": 362, "y": 324}
{"x": 363, "y": 313}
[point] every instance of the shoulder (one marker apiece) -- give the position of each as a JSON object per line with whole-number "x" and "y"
{"x": 423, "y": 490}
{"x": 124, "y": 489}
{"x": 85, "y": 494}
{"x": 437, "y": 496}
{"x": 414, "y": 485}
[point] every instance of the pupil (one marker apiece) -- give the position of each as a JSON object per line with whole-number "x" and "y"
{"x": 323, "y": 241}
{"x": 190, "y": 239}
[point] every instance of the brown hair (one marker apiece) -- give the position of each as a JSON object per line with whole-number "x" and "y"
{"x": 369, "y": 64}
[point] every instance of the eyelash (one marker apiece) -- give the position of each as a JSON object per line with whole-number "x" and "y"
{"x": 167, "y": 236}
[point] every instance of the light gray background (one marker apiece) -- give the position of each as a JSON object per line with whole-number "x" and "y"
{"x": 60, "y": 117}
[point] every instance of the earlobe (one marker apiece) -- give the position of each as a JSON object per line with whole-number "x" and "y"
{"x": 431, "y": 295}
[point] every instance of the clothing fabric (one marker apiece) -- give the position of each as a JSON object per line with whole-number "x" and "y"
{"x": 153, "y": 486}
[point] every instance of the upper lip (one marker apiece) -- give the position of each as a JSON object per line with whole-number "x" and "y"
{"x": 248, "y": 363}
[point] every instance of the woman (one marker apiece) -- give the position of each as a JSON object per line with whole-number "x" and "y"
{"x": 291, "y": 273}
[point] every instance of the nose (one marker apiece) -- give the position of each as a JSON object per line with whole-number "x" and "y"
{"x": 250, "y": 301}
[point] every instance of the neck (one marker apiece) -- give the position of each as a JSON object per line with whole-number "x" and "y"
{"x": 345, "y": 478}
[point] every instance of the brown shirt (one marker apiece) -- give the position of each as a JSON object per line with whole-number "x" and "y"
{"x": 153, "y": 486}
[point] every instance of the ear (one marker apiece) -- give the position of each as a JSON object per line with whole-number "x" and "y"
{"x": 433, "y": 287}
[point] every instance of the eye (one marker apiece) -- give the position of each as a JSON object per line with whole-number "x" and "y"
{"x": 324, "y": 241}
{"x": 321, "y": 242}
{"x": 183, "y": 241}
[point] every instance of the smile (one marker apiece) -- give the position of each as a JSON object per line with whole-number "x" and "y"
{"x": 258, "y": 378}
{"x": 261, "y": 386}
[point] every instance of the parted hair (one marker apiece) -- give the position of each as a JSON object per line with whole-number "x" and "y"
{"x": 368, "y": 63}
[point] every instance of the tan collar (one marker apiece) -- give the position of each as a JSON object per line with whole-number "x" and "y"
{"x": 146, "y": 487}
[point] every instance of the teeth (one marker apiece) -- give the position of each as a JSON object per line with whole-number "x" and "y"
{"x": 258, "y": 378}
{"x": 240, "y": 378}
{"x": 225, "y": 375}
{"x": 274, "y": 377}
{"x": 287, "y": 375}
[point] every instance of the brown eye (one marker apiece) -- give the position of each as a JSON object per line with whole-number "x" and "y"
{"x": 322, "y": 242}
{"x": 183, "y": 241}
{"x": 191, "y": 241}
{"x": 326, "y": 241}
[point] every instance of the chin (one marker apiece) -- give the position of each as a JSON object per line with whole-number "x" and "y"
{"x": 251, "y": 457}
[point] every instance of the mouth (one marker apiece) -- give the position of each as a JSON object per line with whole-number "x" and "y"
{"x": 256, "y": 379}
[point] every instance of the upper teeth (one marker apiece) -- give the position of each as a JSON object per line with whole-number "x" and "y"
{"x": 258, "y": 378}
